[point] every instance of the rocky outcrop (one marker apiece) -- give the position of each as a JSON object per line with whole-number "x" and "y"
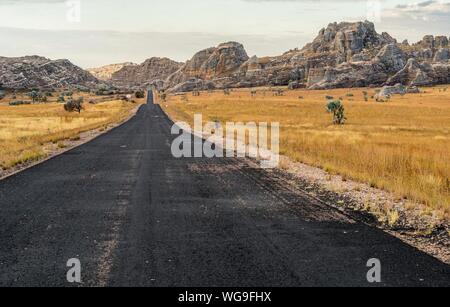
{"x": 39, "y": 72}
{"x": 105, "y": 72}
{"x": 399, "y": 89}
{"x": 348, "y": 39}
{"x": 442, "y": 55}
{"x": 390, "y": 59}
{"x": 145, "y": 74}
{"x": 218, "y": 64}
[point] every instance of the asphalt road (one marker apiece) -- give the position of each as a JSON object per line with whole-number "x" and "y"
{"x": 136, "y": 216}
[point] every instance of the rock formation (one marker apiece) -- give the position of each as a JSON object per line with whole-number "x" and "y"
{"x": 342, "y": 55}
{"x": 218, "y": 64}
{"x": 151, "y": 72}
{"x": 105, "y": 73}
{"x": 34, "y": 71}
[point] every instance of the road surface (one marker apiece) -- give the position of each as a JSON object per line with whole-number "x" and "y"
{"x": 135, "y": 216}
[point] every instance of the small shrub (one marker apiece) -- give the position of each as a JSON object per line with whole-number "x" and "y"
{"x": 139, "y": 94}
{"x": 337, "y": 108}
{"x": 61, "y": 99}
{"x": 19, "y": 103}
{"x": 74, "y": 105}
{"x": 329, "y": 97}
{"x": 350, "y": 95}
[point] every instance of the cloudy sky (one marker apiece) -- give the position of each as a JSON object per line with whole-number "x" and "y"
{"x": 96, "y": 32}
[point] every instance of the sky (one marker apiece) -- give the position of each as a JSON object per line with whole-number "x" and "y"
{"x": 92, "y": 33}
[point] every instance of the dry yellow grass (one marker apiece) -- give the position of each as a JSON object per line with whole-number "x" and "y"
{"x": 402, "y": 146}
{"x": 24, "y": 130}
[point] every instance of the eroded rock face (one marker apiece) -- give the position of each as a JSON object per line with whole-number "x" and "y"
{"x": 391, "y": 58}
{"x": 146, "y": 73}
{"x": 348, "y": 39}
{"x": 39, "y": 72}
{"x": 442, "y": 55}
{"x": 210, "y": 64}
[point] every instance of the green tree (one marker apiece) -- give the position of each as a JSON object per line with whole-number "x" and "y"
{"x": 34, "y": 95}
{"x": 338, "y": 110}
{"x": 74, "y": 105}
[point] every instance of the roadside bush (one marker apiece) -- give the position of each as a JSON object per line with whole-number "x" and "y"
{"x": 61, "y": 99}
{"x": 74, "y": 105}
{"x": 337, "y": 108}
{"x": 139, "y": 94}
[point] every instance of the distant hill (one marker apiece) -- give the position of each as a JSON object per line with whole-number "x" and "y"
{"x": 35, "y": 71}
{"x": 105, "y": 72}
{"x": 152, "y": 71}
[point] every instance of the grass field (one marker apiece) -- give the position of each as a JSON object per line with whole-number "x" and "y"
{"x": 402, "y": 146}
{"x": 26, "y": 129}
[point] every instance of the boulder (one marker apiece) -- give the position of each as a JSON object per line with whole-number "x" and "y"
{"x": 391, "y": 58}
{"x": 389, "y": 91}
{"x": 441, "y": 42}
